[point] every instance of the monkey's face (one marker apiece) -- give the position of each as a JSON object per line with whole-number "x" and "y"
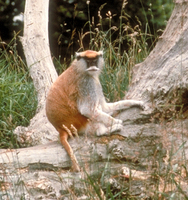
{"x": 90, "y": 62}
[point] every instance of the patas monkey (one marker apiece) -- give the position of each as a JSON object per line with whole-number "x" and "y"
{"x": 76, "y": 101}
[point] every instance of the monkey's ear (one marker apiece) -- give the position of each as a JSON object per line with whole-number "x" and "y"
{"x": 78, "y": 55}
{"x": 100, "y": 53}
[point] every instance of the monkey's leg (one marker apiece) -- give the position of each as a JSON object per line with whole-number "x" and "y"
{"x": 63, "y": 138}
{"x": 98, "y": 115}
{"x": 119, "y": 105}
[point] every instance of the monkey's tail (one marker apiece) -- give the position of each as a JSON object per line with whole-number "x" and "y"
{"x": 63, "y": 138}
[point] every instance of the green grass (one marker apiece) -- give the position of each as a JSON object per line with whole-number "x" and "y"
{"x": 18, "y": 99}
{"x": 123, "y": 47}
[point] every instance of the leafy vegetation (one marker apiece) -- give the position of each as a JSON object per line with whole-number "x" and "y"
{"x": 17, "y": 95}
{"x": 72, "y": 16}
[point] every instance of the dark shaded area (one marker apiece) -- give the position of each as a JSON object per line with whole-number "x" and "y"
{"x": 69, "y": 18}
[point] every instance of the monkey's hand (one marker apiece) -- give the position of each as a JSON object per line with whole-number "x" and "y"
{"x": 141, "y": 104}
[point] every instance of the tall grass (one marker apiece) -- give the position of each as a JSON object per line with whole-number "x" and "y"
{"x": 123, "y": 47}
{"x": 18, "y": 100}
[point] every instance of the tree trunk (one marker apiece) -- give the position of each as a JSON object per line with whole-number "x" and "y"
{"x": 37, "y": 52}
{"x": 162, "y": 78}
{"x": 146, "y": 160}
{"x": 36, "y": 48}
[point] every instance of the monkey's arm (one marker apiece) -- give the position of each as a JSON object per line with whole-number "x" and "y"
{"x": 119, "y": 105}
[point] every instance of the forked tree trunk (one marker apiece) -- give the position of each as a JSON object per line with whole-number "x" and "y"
{"x": 147, "y": 141}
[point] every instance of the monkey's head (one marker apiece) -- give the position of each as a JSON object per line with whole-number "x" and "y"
{"x": 90, "y": 62}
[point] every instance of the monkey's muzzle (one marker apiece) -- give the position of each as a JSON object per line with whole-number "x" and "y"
{"x": 93, "y": 68}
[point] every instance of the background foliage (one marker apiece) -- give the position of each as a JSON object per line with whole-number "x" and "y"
{"x": 18, "y": 100}
{"x": 69, "y": 18}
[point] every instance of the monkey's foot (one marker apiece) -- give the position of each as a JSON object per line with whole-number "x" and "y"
{"x": 142, "y": 105}
{"x": 72, "y": 131}
{"x": 117, "y": 122}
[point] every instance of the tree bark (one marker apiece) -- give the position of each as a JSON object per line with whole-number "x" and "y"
{"x": 162, "y": 78}
{"x": 151, "y": 148}
{"x": 37, "y": 52}
{"x": 36, "y": 48}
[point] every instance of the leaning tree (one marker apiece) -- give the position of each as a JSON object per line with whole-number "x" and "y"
{"x": 161, "y": 81}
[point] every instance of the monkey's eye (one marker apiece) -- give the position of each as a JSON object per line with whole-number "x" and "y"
{"x": 91, "y": 60}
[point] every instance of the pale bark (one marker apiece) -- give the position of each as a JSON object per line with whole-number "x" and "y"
{"x": 36, "y": 48}
{"x": 37, "y": 52}
{"x": 162, "y": 78}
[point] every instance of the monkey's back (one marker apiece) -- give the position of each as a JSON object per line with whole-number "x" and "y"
{"x": 61, "y": 103}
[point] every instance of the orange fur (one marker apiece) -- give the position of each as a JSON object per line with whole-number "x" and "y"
{"x": 89, "y": 54}
{"x": 61, "y": 107}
